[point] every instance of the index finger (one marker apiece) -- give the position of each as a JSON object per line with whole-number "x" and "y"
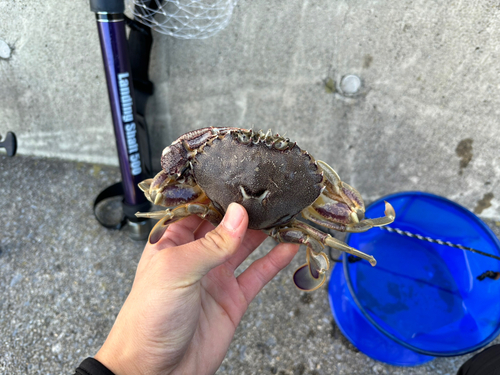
{"x": 260, "y": 272}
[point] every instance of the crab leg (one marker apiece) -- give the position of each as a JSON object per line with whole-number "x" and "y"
{"x": 169, "y": 216}
{"x": 325, "y": 214}
{"x": 332, "y": 242}
{"x": 312, "y": 275}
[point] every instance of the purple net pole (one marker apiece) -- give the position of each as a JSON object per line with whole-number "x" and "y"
{"x": 111, "y": 27}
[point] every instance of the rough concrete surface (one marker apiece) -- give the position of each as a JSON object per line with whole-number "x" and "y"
{"x": 64, "y": 278}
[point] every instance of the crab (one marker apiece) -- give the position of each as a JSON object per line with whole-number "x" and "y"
{"x": 204, "y": 170}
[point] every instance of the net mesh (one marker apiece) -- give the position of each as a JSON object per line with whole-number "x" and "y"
{"x": 185, "y": 19}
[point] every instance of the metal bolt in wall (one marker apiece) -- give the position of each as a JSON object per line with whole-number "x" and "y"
{"x": 350, "y": 84}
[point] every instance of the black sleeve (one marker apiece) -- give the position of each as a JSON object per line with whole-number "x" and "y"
{"x": 91, "y": 366}
{"x": 486, "y": 362}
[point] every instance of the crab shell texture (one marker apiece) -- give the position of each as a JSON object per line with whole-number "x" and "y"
{"x": 205, "y": 170}
{"x": 273, "y": 185}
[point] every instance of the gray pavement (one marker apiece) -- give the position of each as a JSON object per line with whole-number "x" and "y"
{"x": 64, "y": 278}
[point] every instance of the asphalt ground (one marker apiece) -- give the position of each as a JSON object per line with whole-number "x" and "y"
{"x": 63, "y": 279}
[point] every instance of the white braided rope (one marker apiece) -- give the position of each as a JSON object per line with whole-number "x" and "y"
{"x": 438, "y": 241}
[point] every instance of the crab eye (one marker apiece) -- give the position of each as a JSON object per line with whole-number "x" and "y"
{"x": 280, "y": 144}
{"x": 244, "y": 138}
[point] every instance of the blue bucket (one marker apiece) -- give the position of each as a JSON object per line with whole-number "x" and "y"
{"x": 422, "y": 299}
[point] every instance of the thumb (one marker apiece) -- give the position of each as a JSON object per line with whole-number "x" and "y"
{"x": 217, "y": 246}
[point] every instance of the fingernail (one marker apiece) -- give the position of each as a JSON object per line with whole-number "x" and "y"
{"x": 233, "y": 217}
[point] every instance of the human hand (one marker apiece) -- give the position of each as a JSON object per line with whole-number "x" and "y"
{"x": 186, "y": 302}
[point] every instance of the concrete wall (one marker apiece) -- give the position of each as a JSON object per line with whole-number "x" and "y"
{"x": 425, "y": 117}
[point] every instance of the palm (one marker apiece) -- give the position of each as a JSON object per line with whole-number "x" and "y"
{"x": 224, "y": 298}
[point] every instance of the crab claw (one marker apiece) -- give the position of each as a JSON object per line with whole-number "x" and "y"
{"x": 311, "y": 275}
{"x": 390, "y": 216}
{"x": 389, "y": 211}
{"x": 153, "y": 188}
{"x": 145, "y": 186}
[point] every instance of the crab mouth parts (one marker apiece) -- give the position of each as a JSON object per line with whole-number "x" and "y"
{"x": 259, "y": 198}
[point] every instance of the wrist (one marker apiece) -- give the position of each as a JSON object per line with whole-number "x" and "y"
{"x": 118, "y": 360}
{"x": 91, "y": 366}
